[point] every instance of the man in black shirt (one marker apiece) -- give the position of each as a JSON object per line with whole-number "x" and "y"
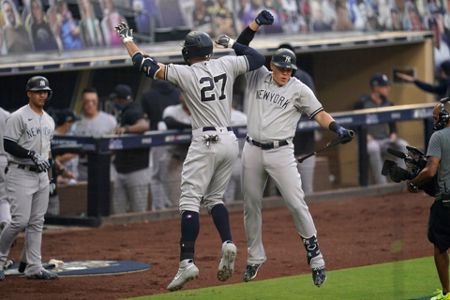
{"x": 132, "y": 165}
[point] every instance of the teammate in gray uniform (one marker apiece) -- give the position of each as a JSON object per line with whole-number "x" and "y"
{"x": 438, "y": 163}
{"x": 27, "y": 138}
{"x": 207, "y": 86}
{"x": 94, "y": 122}
{"x": 5, "y": 214}
{"x": 277, "y": 102}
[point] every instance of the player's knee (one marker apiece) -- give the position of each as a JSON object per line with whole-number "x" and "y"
{"x": 211, "y": 203}
{"x": 145, "y": 64}
{"x": 189, "y": 205}
{"x": 18, "y": 224}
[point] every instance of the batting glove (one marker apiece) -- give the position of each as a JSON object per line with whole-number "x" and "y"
{"x": 345, "y": 134}
{"x": 264, "y": 18}
{"x": 224, "y": 41}
{"x": 125, "y": 33}
{"x": 41, "y": 164}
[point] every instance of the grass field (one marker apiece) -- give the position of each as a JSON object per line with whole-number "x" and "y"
{"x": 411, "y": 279}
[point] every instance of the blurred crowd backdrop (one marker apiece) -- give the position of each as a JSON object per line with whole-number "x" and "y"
{"x": 65, "y": 25}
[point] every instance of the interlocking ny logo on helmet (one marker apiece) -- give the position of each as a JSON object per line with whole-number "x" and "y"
{"x": 197, "y": 44}
{"x": 284, "y": 58}
{"x": 38, "y": 83}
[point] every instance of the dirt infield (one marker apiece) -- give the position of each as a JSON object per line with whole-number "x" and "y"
{"x": 352, "y": 232}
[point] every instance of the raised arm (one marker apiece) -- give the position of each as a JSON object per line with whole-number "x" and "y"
{"x": 247, "y": 35}
{"x": 241, "y": 45}
{"x": 254, "y": 58}
{"x": 143, "y": 62}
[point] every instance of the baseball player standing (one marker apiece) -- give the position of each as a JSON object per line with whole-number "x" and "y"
{"x": 207, "y": 85}
{"x": 27, "y": 138}
{"x": 5, "y": 214}
{"x": 438, "y": 163}
{"x": 277, "y": 101}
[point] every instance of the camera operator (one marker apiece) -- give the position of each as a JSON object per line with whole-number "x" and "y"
{"x": 438, "y": 162}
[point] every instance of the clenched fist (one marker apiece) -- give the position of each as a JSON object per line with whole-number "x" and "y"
{"x": 264, "y": 18}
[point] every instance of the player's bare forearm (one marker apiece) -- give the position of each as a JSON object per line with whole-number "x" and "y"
{"x": 132, "y": 48}
{"x": 428, "y": 172}
{"x": 324, "y": 119}
{"x": 253, "y": 26}
{"x": 142, "y": 125}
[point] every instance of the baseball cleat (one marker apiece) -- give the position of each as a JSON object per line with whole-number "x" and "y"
{"x": 186, "y": 272}
{"x": 23, "y": 266}
{"x": 439, "y": 295}
{"x": 251, "y": 271}
{"x": 319, "y": 276}
{"x": 8, "y": 264}
{"x": 43, "y": 275}
{"x": 226, "y": 265}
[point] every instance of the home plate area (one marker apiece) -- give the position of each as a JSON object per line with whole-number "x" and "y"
{"x": 87, "y": 267}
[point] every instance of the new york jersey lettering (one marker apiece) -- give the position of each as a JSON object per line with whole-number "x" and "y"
{"x": 273, "y": 98}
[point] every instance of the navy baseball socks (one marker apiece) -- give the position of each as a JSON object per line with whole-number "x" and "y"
{"x": 315, "y": 260}
{"x": 220, "y": 217}
{"x": 187, "y": 270}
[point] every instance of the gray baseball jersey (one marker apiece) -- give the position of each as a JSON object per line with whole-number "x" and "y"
{"x": 28, "y": 191}
{"x": 273, "y": 111}
{"x": 273, "y": 114}
{"x": 208, "y": 88}
{"x": 31, "y": 131}
{"x": 98, "y": 126}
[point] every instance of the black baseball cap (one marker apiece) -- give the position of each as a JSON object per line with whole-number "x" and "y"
{"x": 122, "y": 91}
{"x": 65, "y": 115}
{"x": 379, "y": 80}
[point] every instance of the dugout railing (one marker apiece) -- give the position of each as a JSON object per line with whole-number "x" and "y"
{"x": 100, "y": 149}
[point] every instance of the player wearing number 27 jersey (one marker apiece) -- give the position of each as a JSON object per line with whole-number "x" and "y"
{"x": 207, "y": 87}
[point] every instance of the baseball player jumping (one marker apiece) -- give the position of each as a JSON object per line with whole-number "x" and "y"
{"x": 27, "y": 138}
{"x": 207, "y": 86}
{"x": 275, "y": 104}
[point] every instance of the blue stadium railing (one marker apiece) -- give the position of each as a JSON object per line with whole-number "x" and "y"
{"x": 99, "y": 150}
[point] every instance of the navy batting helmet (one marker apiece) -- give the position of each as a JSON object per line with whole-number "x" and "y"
{"x": 197, "y": 44}
{"x": 38, "y": 83}
{"x": 284, "y": 58}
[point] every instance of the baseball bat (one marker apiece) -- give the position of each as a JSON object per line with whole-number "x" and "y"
{"x": 330, "y": 144}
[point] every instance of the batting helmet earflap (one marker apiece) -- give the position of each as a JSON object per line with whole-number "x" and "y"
{"x": 444, "y": 115}
{"x": 197, "y": 44}
{"x": 285, "y": 58}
